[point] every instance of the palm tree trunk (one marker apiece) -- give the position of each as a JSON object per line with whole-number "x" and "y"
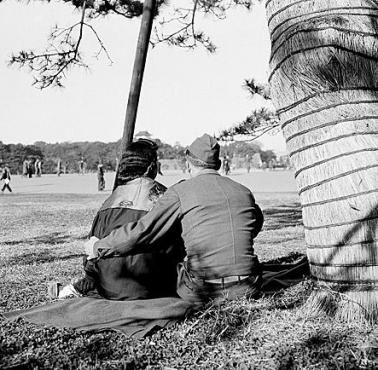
{"x": 324, "y": 83}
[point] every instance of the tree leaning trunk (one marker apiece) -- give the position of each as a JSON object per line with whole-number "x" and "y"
{"x": 324, "y": 83}
{"x": 149, "y": 7}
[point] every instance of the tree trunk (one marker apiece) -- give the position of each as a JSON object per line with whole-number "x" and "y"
{"x": 324, "y": 83}
{"x": 149, "y": 7}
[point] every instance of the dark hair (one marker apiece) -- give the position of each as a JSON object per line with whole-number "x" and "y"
{"x": 138, "y": 160}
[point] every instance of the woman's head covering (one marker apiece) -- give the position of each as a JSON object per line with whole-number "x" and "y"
{"x": 137, "y": 160}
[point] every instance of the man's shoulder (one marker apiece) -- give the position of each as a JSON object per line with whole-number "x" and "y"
{"x": 235, "y": 184}
{"x": 182, "y": 186}
{"x": 179, "y": 184}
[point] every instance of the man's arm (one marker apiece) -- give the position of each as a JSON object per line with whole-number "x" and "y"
{"x": 150, "y": 228}
{"x": 258, "y": 220}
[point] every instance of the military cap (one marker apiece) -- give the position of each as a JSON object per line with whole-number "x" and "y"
{"x": 206, "y": 149}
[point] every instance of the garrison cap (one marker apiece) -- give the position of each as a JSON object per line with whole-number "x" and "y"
{"x": 206, "y": 149}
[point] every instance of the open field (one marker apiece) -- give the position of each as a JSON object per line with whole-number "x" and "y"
{"x": 259, "y": 181}
{"x": 43, "y": 227}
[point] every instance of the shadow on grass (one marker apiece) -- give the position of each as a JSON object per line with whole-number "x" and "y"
{"x": 49, "y": 239}
{"x": 42, "y": 256}
{"x": 229, "y": 320}
{"x": 322, "y": 348}
{"x": 287, "y": 215}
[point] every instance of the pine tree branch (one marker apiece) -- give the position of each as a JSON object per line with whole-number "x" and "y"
{"x": 258, "y": 123}
{"x": 63, "y": 52}
{"x": 184, "y": 33}
{"x": 185, "y": 36}
{"x": 102, "y": 45}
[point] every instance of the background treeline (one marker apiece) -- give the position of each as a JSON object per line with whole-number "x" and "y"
{"x": 92, "y": 153}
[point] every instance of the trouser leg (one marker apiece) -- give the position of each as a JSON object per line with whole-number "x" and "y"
{"x": 6, "y": 186}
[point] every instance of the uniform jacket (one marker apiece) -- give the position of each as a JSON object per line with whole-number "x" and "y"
{"x": 218, "y": 218}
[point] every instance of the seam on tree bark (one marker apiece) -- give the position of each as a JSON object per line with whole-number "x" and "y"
{"x": 268, "y": 2}
{"x": 316, "y": 17}
{"x": 335, "y": 46}
{"x": 340, "y": 245}
{"x": 341, "y": 29}
{"x": 352, "y": 282}
{"x": 343, "y": 264}
{"x": 309, "y": 187}
{"x": 331, "y": 159}
{"x": 317, "y": 14}
{"x": 353, "y": 119}
{"x": 285, "y": 8}
{"x": 344, "y": 197}
{"x": 365, "y": 219}
{"x": 325, "y": 108}
{"x": 303, "y": 100}
{"x": 362, "y": 133}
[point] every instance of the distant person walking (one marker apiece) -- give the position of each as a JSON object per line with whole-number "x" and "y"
{"x": 6, "y": 176}
{"x": 248, "y": 163}
{"x": 38, "y": 167}
{"x": 100, "y": 177}
{"x": 25, "y": 166}
{"x": 226, "y": 165}
{"x": 59, "y": 167}
{"x": 30, "y": 169}
{"x": 81, "y": 166}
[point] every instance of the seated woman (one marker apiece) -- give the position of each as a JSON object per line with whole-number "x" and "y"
{"x": 140, "y": 276}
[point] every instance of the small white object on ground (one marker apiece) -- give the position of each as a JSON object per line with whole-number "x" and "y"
{"x": 68, "y": 291}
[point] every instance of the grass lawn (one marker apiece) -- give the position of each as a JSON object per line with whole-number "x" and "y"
{"x": 41, "y": 238}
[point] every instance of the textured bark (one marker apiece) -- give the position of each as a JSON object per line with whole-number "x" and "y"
{"x": 324, "y": 83}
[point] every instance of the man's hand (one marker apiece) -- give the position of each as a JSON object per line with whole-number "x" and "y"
{"x": 89, "y": 247}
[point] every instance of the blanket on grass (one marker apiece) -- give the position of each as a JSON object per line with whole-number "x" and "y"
{"x": 141, "y": 317}
{"x": 284, "y": 272}
{"x": 133, "y": 318}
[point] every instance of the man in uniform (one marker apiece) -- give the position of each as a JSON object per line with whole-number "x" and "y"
{"x": 218, "y": 220}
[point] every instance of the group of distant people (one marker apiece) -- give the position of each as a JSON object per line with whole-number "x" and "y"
{"x": 32, "y": 167}
{"x": 193, "y": 240}
{"x": 29, "y": 167}
{"x": 82, "y": 169}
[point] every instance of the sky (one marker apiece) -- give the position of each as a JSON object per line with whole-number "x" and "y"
{"x": 184, "y": 94}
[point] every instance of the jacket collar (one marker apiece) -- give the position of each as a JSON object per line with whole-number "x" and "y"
{"x": 206, "y": 171}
